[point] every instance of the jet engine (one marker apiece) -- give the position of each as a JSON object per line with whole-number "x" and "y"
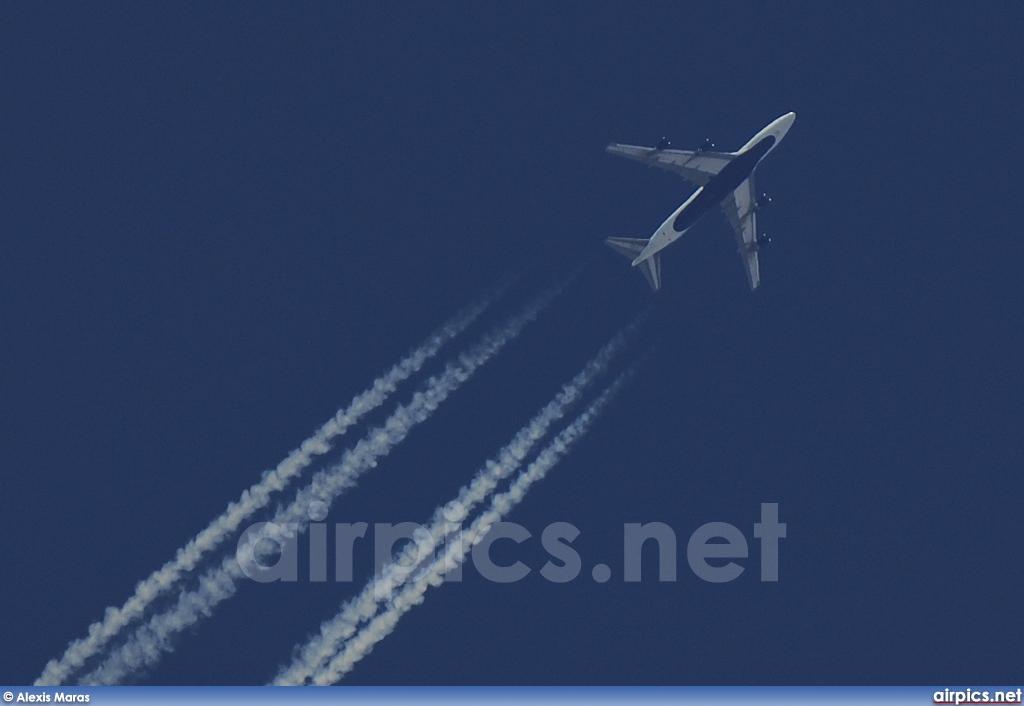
{"x": 763, "y": 201}
{"x": 763, "y": 240}
{"x": 706, "y": 145}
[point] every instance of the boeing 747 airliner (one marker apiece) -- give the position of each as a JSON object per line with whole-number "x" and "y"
{"x": 723, "y": 178}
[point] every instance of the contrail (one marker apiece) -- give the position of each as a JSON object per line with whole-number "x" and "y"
{"x": 315, "y": 654}
{"x": 456, "y": 550}
{"x": 153, "y": 638}
{"x": 255, "y": 498}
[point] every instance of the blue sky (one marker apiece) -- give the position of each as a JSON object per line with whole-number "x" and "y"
{"x": 221, "y": 222}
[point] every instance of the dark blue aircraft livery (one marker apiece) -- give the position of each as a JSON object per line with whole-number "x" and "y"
{"x": 723, "y": 178}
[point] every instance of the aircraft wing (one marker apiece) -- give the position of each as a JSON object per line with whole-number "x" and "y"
{"x": 738, "y": 207}
{"x": 696, "y": 167}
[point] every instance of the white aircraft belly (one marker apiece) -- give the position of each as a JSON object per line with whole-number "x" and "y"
{"x": 664, "y": 237}
{"x": 666, "y": 234}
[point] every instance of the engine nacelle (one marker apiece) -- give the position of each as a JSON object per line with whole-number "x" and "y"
{"x": 706, "y": 145}
{"x": 763, "y": 201}
{"x": 663, "y": 144}
{"x": 763, "y": 240}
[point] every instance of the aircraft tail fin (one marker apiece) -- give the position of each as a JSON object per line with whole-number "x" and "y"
{"x": 631, "y": 247}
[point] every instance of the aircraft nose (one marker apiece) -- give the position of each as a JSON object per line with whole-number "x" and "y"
{"x": 783, "y": 124}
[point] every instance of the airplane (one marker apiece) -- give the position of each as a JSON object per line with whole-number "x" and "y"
{"x": 723, "y": 178}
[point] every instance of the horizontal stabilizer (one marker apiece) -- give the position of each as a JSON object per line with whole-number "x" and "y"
{"x": 631, "y": 247}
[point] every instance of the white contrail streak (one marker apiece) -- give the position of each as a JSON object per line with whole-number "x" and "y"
{"x": 253, "y": 499}
{"x": 314, "y": 655}
{"x": 153, "y": 638}
{"x": 455, "y": 551}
